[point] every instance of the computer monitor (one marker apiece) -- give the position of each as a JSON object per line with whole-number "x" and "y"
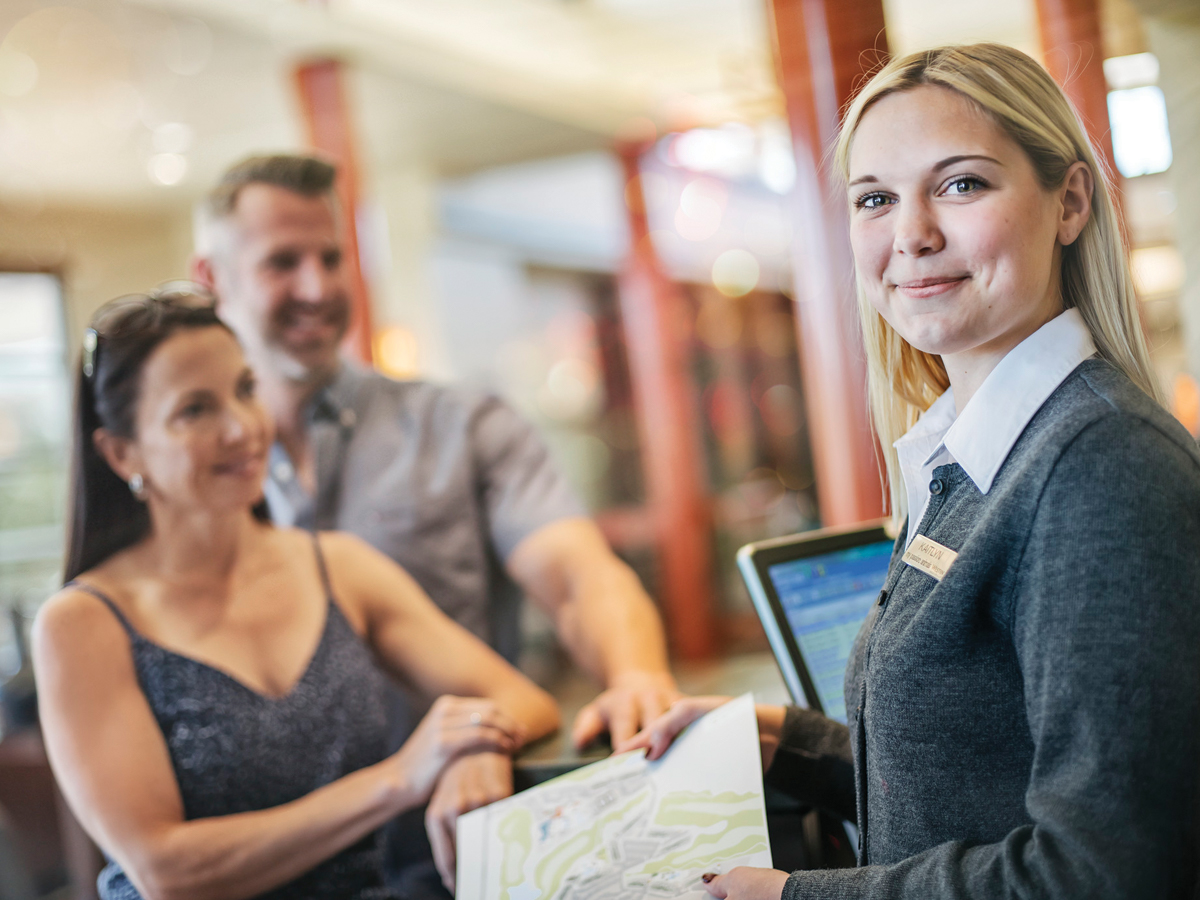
{"x": 812, "y": 592}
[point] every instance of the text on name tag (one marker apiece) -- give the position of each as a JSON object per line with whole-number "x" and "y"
{"x": 929, "y": 556}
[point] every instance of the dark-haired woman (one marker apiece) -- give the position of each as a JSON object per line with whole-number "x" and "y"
{"x": 208, "y": 683}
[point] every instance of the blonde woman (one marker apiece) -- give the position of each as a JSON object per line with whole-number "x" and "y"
{"x": 1024, "y": 712}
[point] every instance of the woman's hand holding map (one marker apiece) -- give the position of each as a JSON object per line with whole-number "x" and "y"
{"x": 745, "y": 883}
{"x": 659, "y": 734}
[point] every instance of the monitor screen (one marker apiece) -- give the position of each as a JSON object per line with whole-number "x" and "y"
{"x": 825, "y": 599}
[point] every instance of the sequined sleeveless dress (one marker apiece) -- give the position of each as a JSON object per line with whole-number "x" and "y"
{"x": 235, "y": 750}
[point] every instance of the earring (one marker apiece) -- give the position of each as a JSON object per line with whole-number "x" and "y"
{"x": 137, "y": 486}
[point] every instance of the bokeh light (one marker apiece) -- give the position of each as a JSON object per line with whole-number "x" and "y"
{"x": 735, "y": 273}
{"x": 701, "y": 208}
{"x": 18, "y": 73}
{"x": 1185, "y": 402}
{"x": 1157, "y": 271}
{"x": 167, "y": 169}
{"x": 397, "y": 352}
{"x": 572, "y": 391}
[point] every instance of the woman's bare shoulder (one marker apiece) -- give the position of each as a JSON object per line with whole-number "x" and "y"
{"x": 74, "y": 623}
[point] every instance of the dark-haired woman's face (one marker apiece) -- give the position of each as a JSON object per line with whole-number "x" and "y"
{"x": 202, "y": 435}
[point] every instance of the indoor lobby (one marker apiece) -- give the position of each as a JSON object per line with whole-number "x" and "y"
{"x": 612, "y": 238}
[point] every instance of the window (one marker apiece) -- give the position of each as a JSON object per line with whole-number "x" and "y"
{"x": 1137, "y": 114}
{"x": 35, "y": 401}
{"x": 1141, "y": 142}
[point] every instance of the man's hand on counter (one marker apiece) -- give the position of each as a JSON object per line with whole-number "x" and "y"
{"x": 632, "y": 700}
{"x": 467, "y": 783}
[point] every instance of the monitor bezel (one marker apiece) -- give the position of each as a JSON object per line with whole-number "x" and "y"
{"x": 755, "y": 560}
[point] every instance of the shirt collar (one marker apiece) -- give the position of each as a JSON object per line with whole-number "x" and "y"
{"x": 920, "y": 441}
{"x": 336, "y": 400}
{"x": 981, "y": 437}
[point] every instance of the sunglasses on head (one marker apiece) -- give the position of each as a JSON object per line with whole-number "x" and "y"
{"x": 136, "y": 312}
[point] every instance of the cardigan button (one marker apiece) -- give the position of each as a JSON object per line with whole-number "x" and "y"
{"x": 937, "y": 486}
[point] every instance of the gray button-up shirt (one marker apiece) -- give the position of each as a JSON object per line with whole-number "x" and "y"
{"x": 445, "y": 481}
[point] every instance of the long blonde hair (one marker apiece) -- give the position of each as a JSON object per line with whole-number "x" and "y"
{"x": 1024, "y": 101}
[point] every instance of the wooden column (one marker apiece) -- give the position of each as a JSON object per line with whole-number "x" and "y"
{"x": 1073, "y": 51}
{"x": 330, "y": 130}
{"x": 823, "y": 48}
{"x": 654, "y": 318}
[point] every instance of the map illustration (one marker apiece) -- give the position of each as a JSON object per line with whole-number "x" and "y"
{"x": 626, "y": 829}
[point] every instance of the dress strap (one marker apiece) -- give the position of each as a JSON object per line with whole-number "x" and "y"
{"x": 103, "y": 598}
{"x": 322, "y": 568}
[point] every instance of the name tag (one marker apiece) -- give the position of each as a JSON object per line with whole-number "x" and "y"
{"x": 929, "y": 556}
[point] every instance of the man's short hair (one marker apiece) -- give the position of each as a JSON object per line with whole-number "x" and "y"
{"x": 308, "y": 176}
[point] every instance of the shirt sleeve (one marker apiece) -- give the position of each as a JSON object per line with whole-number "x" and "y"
{"x": 813, "y": 762}
{"x": 1105, "y": 621}
{"x": 520, "y": 487}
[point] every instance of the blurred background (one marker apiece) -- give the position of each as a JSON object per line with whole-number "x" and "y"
{"x": 614, "y": 213}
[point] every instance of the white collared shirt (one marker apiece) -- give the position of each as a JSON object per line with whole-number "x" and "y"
{"x": 980, "y": 439}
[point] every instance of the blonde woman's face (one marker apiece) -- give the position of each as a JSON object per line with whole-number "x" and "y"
{"x": 955, "y": 240}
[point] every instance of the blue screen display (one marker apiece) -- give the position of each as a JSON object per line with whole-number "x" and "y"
{"x": 825, "y": 599}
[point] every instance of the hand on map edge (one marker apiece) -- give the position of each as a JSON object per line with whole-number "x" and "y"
{"x": 658, "y": 735}
{"x": 632, "y": 700}
{"x": 467, "y": 783}
{"x": 746, "y": 883}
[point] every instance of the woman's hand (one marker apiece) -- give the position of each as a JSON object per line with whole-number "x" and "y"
{"x": 469, "y": 782}
{"x": 658, "y": 735}
{"x": 453, "y": 726}
{"x": 631, "y": 699}
{"x": 744, "y": 883}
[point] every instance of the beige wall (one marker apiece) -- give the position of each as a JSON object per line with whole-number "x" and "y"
{"x": 100, "y": 254}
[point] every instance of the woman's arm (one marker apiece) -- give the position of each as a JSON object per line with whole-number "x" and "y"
{"x": 812, "y": 762}
{"x": 115, "y": 771}
{"x": 417, "y": 642}
{"x": 422, "y": 646}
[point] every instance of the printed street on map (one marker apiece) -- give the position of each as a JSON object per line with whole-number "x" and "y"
{"x": 626, "y": 829}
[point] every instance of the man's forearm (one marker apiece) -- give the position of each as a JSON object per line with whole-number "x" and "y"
{"x": 606, "y": 621}
{"x": 601, "y": 612}
{"x": 610, "y": 626}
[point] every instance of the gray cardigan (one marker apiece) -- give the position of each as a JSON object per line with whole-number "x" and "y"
{"x": 1029, "y": 726}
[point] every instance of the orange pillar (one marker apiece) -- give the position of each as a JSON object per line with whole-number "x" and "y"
{"x": 654, "y": 318}
{"x": 1073, "y": 50}
{"x": 823, "y": 48}
{"x": 328, "y": 125}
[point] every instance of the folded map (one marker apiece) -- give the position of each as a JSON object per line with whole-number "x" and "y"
{"x": 625, "y": 828}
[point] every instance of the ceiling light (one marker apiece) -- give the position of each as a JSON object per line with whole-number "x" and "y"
{"x": 167, "y": 168}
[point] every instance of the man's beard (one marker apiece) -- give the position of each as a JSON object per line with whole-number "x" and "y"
{"x": 302, "y": 365}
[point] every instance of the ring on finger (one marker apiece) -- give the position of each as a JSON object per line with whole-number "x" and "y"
{"x": 476, "y": 718}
